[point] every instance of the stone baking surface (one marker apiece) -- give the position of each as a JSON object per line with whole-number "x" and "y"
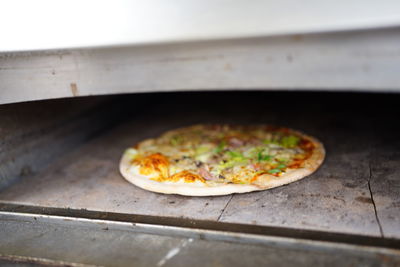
{"x": 355, "y": 191}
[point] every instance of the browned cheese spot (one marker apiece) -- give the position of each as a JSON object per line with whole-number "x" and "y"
{"x": 155, "y": 163}
{"x": 188, "y": 177}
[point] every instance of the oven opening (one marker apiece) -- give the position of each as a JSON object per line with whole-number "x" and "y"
{"x": 60, "y": 158}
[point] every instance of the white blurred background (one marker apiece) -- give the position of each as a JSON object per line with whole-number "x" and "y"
{"x": 49, "y": 24}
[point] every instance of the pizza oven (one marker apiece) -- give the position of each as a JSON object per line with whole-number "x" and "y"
{"x": 68, "y": 113}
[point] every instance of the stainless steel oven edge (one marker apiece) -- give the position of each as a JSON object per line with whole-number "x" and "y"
{"x": 66, "y": 236}
{"x": 359, "y": 60}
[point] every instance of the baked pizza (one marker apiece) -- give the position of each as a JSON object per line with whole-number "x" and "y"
{"x": 205, "y": 160}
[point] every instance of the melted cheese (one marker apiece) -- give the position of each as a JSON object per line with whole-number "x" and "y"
{"x": 186, "y": 176}
{"x": 154, "y": 163}
{"x": 226, "y": 154}
{"x": 183, "y": 176}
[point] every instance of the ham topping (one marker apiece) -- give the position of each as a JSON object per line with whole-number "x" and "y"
{"x": 206, "y": 174}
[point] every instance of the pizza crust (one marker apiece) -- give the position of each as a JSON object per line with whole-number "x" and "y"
{"x": 131, "y": 174}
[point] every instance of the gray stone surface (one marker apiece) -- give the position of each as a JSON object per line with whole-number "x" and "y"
{"x": 385, "y": 175}
{"x": 336, "y": 197}
{"x": 89, "y": 178}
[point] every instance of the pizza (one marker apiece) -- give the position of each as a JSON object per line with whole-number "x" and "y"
{"x": 204, "y": 160}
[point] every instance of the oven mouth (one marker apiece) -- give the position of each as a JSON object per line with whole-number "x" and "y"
{"x": 349, "y": 204}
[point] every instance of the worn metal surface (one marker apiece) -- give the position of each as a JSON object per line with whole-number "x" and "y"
{"x": 110, "y": 243}
{"x": 337, "y": 198}
{"x": 360, "y": 61}
{"x": 10, "y": 262}
{"x": 191, "y": 227}
{"x": 26, "y": 261}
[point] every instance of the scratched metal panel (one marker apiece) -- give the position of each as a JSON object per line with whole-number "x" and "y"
{"x": 74, "y": 241}
{"x": 339, "y": 61}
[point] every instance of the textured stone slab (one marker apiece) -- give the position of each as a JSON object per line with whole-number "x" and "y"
{"x": 336, "y": 197}
{"x": 89, "y": 178}
{"x": 385, "y": 173}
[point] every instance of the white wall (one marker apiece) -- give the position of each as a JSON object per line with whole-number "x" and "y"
{"x": 50, "y": 24}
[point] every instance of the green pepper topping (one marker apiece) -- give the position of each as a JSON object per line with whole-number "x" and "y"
{"x": 269, "y": 141}
{"x": 290, "y": 141}
{"x": 220, "y": 147}
{"x": 235, "y": 154}
{"x": 235, "y": 158}
{"x": 176, "y": 140}
{"x": 281, "y": 166}
{"x": 274, "y": 171}
{"x": 282, "y": 160}
{"x": 262, "y": 157}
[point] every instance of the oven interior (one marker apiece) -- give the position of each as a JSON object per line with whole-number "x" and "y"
{"x": 60, "y": 160}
